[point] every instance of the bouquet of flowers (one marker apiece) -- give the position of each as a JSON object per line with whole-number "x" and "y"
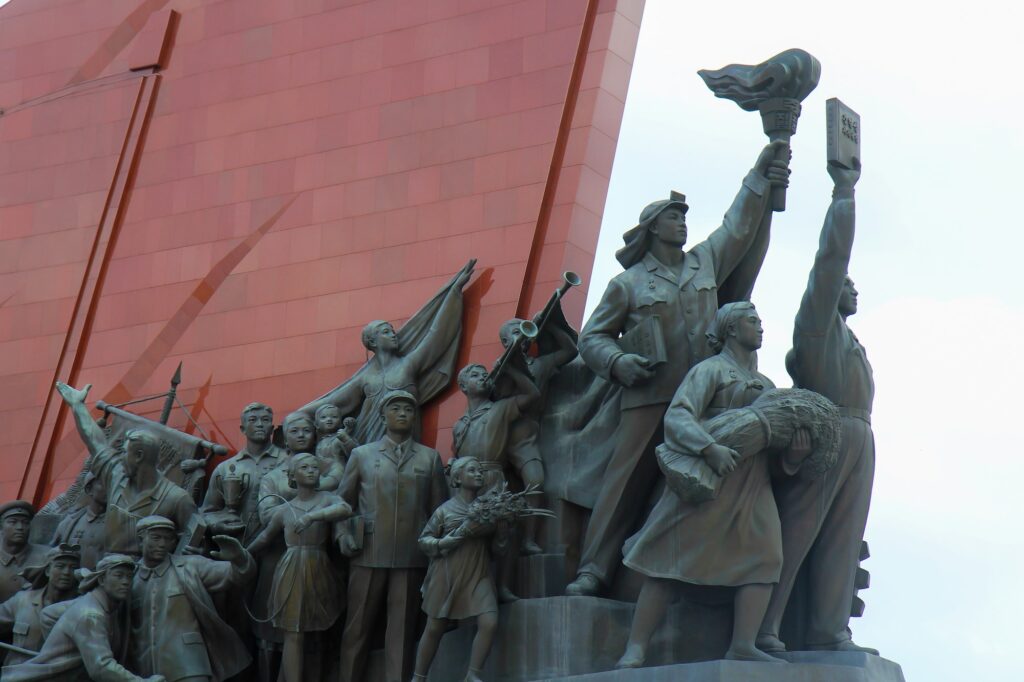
{"x": 499, "y": 506}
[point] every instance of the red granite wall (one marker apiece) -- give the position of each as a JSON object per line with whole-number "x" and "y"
{"x": 241, "y": 184}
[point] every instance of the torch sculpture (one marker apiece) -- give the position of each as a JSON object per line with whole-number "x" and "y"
{"x": 775, "y": 88}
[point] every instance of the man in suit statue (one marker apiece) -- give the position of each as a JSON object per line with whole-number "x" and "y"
{"x": 393, "y": 484}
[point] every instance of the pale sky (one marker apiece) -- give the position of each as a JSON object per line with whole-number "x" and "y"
{"x": 937, "y": 261}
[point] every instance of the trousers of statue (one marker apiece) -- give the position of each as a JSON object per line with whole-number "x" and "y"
{"x": 823, "y": 522}
{"x": 629, "y": 481}
{"x": 391, "y": 593}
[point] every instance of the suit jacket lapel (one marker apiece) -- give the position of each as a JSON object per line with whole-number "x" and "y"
{"x": 385, "y": 449}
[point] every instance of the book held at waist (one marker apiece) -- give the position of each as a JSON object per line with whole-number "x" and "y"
{"x": 646, "y": 339}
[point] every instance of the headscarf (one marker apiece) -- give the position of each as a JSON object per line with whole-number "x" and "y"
{"x": 726, "y": 315}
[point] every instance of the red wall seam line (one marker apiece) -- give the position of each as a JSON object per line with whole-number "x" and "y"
{"x": 557, "y": 159}
{"x": 117, "y": 202}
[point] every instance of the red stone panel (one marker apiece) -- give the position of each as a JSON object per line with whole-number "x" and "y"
{"x": 303, "y": 167}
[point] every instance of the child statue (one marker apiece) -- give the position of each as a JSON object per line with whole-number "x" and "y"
{"x": 333, "y": 444}
{"x": 459, "y": 583}
{"x": 304, "y": 596}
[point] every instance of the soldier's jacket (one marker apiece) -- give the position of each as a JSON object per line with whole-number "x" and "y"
{"x": 80, "y": 647}
{"x": 685, "y": 305}
{"x": 21, "y": 616}
{"x": 88, "y": 530}
{"x": 394, "y": 490}
{"x": 11, "y": 566}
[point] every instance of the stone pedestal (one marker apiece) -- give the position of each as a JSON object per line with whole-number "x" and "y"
{"x": 581, "y": 638}
{"x": 555, "y": 637}
{"x": 804, "y": 666}
{"x": 541, "y": 575}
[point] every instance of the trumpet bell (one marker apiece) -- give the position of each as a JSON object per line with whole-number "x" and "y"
{"x": 571, "y": 278}
{"x": 528, "y": 329}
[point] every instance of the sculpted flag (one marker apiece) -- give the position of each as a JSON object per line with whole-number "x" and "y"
{"x": 433, "y": 376}
{"x": 175, "y": 447}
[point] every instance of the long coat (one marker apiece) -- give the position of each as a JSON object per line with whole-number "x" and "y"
{"x": 736, "y": 538}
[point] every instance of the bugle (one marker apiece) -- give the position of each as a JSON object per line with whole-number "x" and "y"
{"x": 570, "y": 280}
{"x": 528, "y": 331}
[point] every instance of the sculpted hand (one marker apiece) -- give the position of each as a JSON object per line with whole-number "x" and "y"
{"x": 844, "y": 177}
{"x": 347, "y": 546}
{"x": 230, "y": 549}
{"x": 72, "y": 395}
{"x": 631, "y": 369}
{"x": 466, "y": 273}
{"x": 190, "y": 465}
{"x": 720, "y": 458}
{"x": 448, "y": 543}
{"x": 773, "y": 163}
{"x": 799, "y": 446}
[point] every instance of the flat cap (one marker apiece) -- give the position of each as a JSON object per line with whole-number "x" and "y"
{"x": 153, "y": 523}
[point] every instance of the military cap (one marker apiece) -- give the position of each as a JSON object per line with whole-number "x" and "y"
{"x": 17, "y": 507}
{"x": 398, "y": 395}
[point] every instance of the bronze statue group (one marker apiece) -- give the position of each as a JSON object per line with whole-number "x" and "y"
{"x": 345, "y": 531}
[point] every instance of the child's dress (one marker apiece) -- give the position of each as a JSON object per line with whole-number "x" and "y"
{"x": 305, "y": 596}
{"x": 458, "y": 585}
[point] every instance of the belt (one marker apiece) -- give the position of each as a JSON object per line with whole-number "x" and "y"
{"x": 855, "y": 413}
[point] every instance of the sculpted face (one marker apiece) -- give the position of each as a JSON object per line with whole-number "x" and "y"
{"x": 511, "y": 333}
{"x": 472, "y": 476}
{"x": 15, "y": 530}
{"x": 848, "y": 298}
{"x": 307, "y": 472}
{"x": 386, "y": 338}
{"x": 258, "y": 425}
{"x": 748, "y": 331}
{"x": 327, "y": 420}
{"x": 117, "y": 583}
{"x": 476, "y": 382}
{"x": 298, "y": 436}
{"x": 399, "y": 416}
{"x": 157, "y": 545}
{"x": 670, "y": 227}
{"x": 98, "y": 491}
{"x": 61, "y": 574}
{"x": 135, "y": 451}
